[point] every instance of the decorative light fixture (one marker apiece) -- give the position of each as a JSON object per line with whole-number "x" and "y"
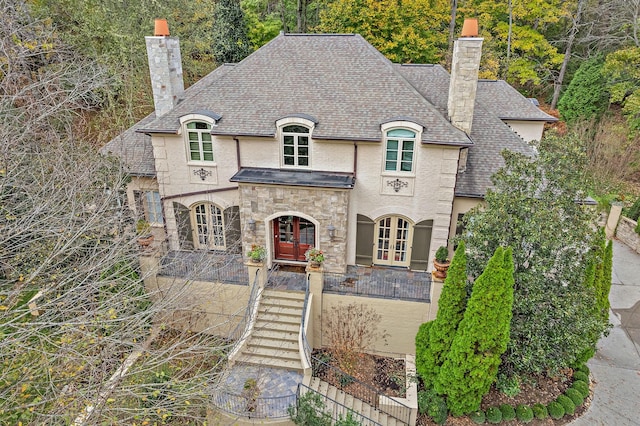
{"x": 332, "y": 231}
{"x": 252, "y": 225}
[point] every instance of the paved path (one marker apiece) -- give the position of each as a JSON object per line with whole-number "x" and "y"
{"x": 616, "y": 366}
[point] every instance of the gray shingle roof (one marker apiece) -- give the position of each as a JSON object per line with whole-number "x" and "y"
{"x": 350, "y": 89}
{"x": 488, "y": 133}
{"x": 341, "y": 80}
{"x": 507, "y": 103}
{"x": 135, "y": 149}
{"x": 294, "y": 177}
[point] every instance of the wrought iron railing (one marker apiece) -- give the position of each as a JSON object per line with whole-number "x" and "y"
{"x": 334, "y": 409}
{"x": 382, "y": 283}
{"x": 358, "y": 389}
{"x": 205, "y": 266}
{"x": 253, "y": 407}
{"x": 241, "y": 329}
{"x": 303, "y": 325}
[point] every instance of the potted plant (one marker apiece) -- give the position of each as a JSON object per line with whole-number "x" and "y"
{"x": 441, "y": 262}
{"x": 314, "y": 256}
{"x": 143, "y": 229}
{"x": 257, "y": 253}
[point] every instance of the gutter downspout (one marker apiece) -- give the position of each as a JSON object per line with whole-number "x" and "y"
{"x": 235, "y": 138}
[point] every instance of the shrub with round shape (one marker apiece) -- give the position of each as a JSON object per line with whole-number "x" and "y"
{"x": 556, "y": 410}
{"x": 494, "y": 416}
{"x": 524, "y": 413}
{"x": 508, "y": 412}
{"x": 567, "y": 404}
{"x": 583, "y": 369}
{"x": 478, "y": 417}
{"x": 579, "y": 375}
{"x": 575, "y": 396}
{"x": 581, "y": 387}
{"x": 540, "y": 411}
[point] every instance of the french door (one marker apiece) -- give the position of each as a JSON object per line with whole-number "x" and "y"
{"x": 393, "y": 236}
{"x": 293, "y": 236}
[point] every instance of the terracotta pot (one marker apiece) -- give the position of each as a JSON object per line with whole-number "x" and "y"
{"x": 441, "y": 269}
{"x": 314, "y": 264}
{"x": 145, "y": 240}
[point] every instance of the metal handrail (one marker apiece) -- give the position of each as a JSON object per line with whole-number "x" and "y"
{"x": 303, "y": 325}
{"x": 337, "y": 409}
{"x": 365, "y": 392}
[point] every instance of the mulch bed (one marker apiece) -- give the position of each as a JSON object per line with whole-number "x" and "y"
{"x": 542, "y": 390}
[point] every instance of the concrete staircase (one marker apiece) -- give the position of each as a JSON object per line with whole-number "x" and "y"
{"x": 338, "y": 401}
{"x": 274, "y": 340}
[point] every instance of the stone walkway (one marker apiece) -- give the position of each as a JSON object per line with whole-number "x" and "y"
{"x": 615, "y": 368}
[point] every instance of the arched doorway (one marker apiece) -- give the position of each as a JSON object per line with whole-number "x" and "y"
{"x": 292, "y": 237}
{"x": 393, "y": 240}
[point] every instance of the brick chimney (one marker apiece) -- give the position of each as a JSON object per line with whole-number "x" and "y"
{"x": 165, "y": 68}
{"x": 467, "y": 51}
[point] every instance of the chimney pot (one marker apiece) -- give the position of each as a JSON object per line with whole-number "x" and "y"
{"x": 470, "y": 28}
{"x": 162, "y": 28}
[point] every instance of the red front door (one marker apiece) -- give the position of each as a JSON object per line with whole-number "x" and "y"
{"x": 292, "y": 237}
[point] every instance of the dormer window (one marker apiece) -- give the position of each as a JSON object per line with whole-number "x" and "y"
{"x": 400, "y": 146}
{"x": 199, "y": 139}
{"x": 295, "y": 146}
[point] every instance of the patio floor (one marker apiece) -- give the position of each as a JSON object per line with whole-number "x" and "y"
{"x": 381, "y": 282}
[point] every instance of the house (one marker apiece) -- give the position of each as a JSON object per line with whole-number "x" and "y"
{"x": 319, "y": 140}
{"x": 315, "y": 140}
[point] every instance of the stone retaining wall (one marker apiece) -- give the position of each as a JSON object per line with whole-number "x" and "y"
{"x": 626, "y": 233}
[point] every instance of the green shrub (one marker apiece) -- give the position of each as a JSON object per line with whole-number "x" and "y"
{"x": 556, "y": 410}
{"x": 583, "y": 369}
{"x": 524, "y": 413}
{"x": 508, "y": 412}
{"x": 581, "y": 387}
{"x": 633, "y": 212}
{"x": 477, "y": 417}
{"x": 494, "y": 415}
{"x": 575, "y": 396}
{"x": 567, "y": 404}
{"x": 579, "y": 375}
{"x": 508, "y": 385}
{"x": 540, "y": 411}
{"x": 433, "y": 405}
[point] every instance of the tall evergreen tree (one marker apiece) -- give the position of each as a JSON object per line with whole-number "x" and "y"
{"x": 433, "y": 344}
{"x": 230, "y": 41}
{"x": 471, "y": 366}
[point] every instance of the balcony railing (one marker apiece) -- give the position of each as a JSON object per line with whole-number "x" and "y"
{"x": 383, "y": 283}
{"x": 205, "y": 266}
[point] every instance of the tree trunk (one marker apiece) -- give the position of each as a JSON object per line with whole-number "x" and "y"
{"x": 557, "y": 86}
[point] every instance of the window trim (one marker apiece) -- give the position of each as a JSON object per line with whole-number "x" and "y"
{"x": 280, "y": 134}
{"x": 401, "y": 125}
{"x": 198, "y": 118}
{"x": 208, "y": 214}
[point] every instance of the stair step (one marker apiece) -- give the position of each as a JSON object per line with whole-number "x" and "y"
{"x": 267, "y": 342}
{"x": 348, "y": 400}
{"x": 272, "y": 353}
{"x": 293, "y": 295}
{"x": 383, "y": 419}
{"x": 270, "y": 325}
{"x": 357, "y": 405}
{"x": 315, "y": 383}
{"x": 279, "y": 318}
{"x": 340, "y": 397}
{"x": 322, "y": 389}
{"x": 293, "y": 311}
{"x": 270, "y": 362}
{"x": 267, "y": 333}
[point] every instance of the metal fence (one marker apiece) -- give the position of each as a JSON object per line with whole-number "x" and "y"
{"x": 382, "y": 283}
{"x": 334, "y": 409}
{"x": 205, "y": 266}
{"x": 254, "y": 407}
{"x": 364, "y": 392}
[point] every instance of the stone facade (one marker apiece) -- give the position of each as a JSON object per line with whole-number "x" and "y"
{"x": 322, "y": 206}
{"x": 165, "y": 68}
{"x": 464, "y": 81}
{"x": 627, "y": 234}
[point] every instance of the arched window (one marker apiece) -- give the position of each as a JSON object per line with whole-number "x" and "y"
{"x": 199, "y": 140}
{"x": 295, "y": 146}
{"x": 400, "y": 146}
{"x": 208, "y": 226}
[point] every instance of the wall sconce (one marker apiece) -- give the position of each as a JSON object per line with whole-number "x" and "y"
{"x": 251, "y": 224}
{"x": 332, "y": 232}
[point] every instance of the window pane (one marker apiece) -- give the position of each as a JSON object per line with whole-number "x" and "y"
{"x": 303, "y": 161}
{"x": 407, "y": 145}
{"x": 200, "y": 125}
{"x": 288, "y": 161}
{"x": 390, "y": 165}
{"x": 195, "y": 155}
{"x": 295, "y": 129}
{"x": 402, "y": 133}
{"x": 392, "y": 145}
{"x": 191, "y": 125}
{"x": 206, "y": 137}
{"x": 405, "y": 167}
{"x": 208, "y": 156}
{"x": 392, "y": 155}
{"x": 288, "y": 140}
{"x": 193, "y": 136}
{"x": 288, "y": 150}
{"x": 303, "y": 140}
{"x": 407, "y": 156}
{"x": 304, "y": 151}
